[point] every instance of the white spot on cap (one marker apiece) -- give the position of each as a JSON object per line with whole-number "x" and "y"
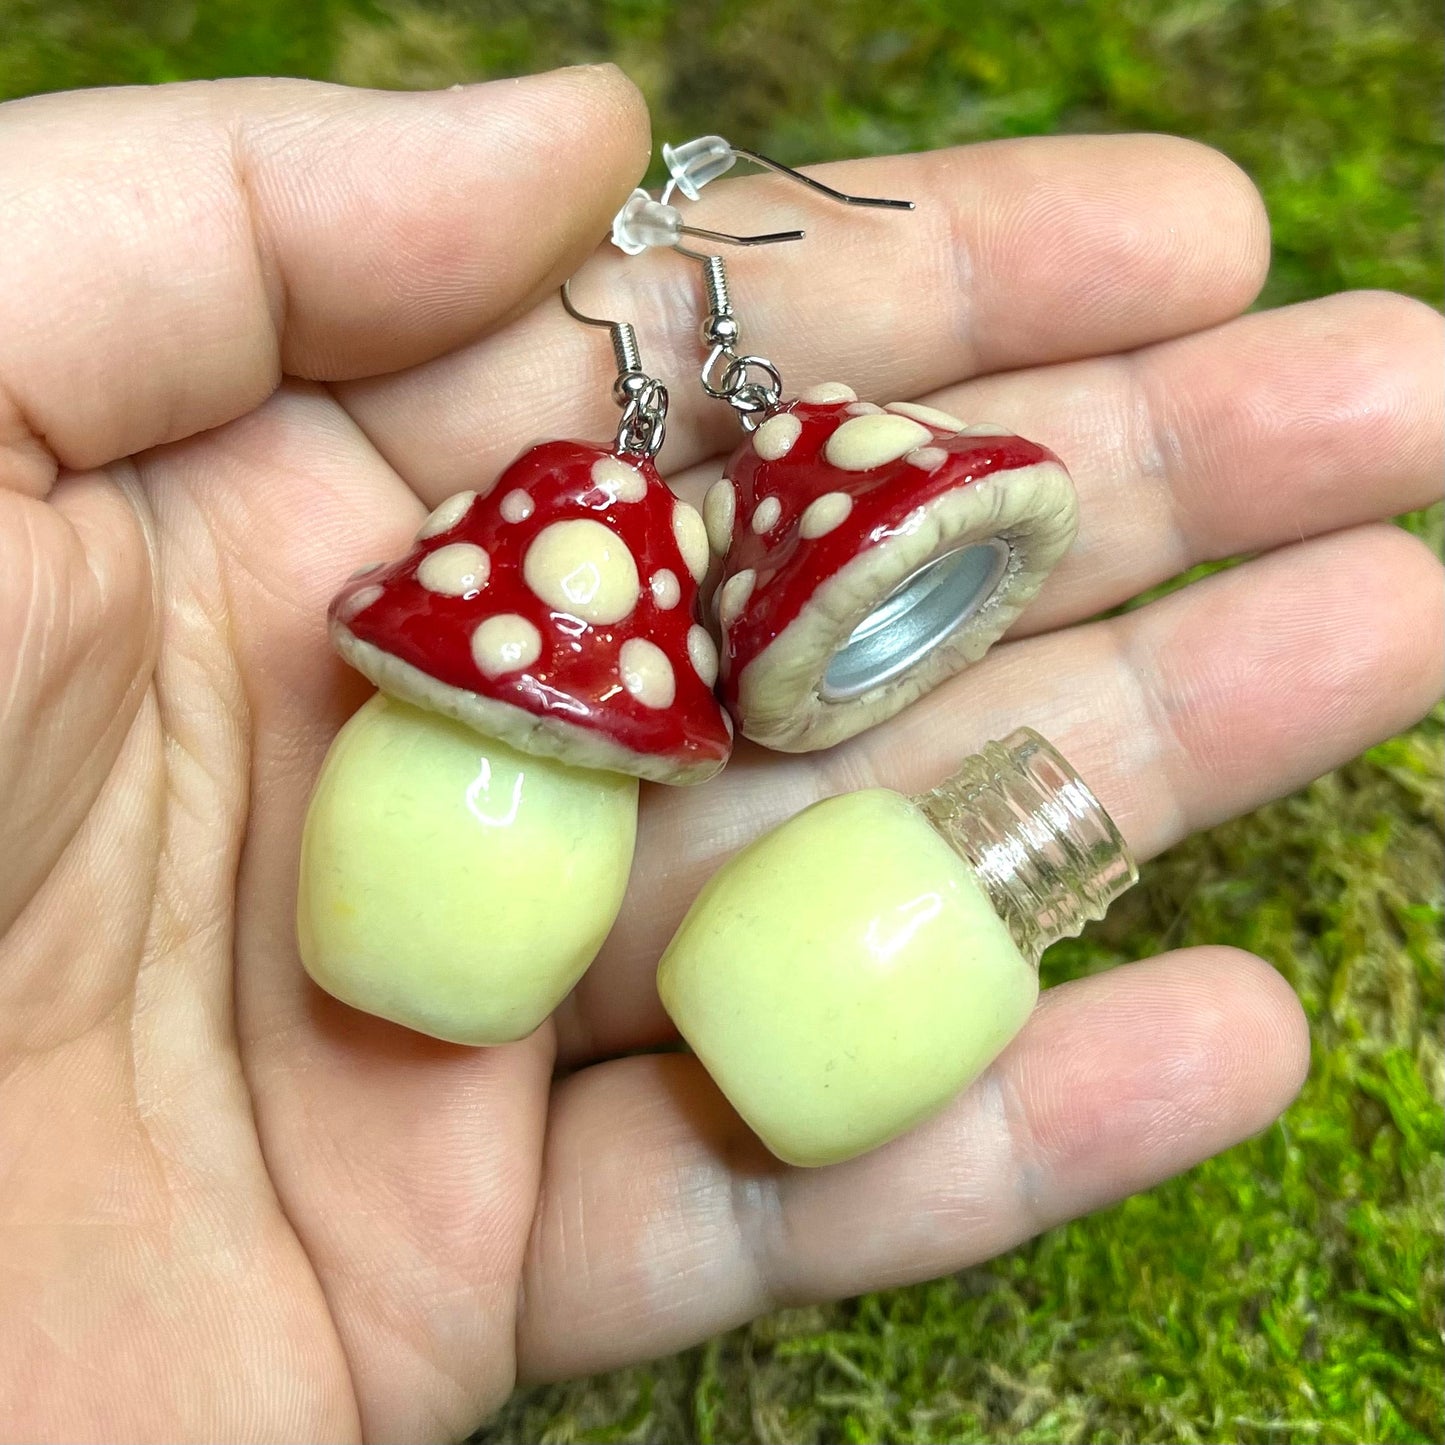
{"x": 828, "y": 391}
{"x": 447, "y": 515}
{"x": 987, "y": 429}
{"x": 646, "y": 673}
{"x": 359, "y": 602}
{"x": 718, "y": 513}
{"x": 505, "y": 643}
{"x": 734, "y": 596}
{"x": 517, "y": 506}
{"x": 702, "y": 652}
{"x": 765, "y": 518}
{"x": 691, "y": 536}
{"x": 927, "y": 459}
{"x": 928, "y": 415}
{"x": 824, "y": 513}
{"x": 583, "y": 568}
{"x": 456, "y": 570}
{"x": 665, "y": 589}
{"x": 366, "y": 571}
{"x": 776, "y": 436}
{"x": 863, "y": 408}
{"x": 865, "y": 442}
{"x": 613, "y": 475}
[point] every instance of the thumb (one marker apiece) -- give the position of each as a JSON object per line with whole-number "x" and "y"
{"x": 171, "y": 251}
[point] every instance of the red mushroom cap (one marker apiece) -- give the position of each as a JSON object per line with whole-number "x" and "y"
{"x": 870, "y": 553}
{"x": 556, "y": 610}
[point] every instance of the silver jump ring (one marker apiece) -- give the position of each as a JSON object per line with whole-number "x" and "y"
{"x": 751, "y": 398}
{"x": 733, "y": 385}
{"x": 735, "y": 377}
{"x": 718, "y": 389}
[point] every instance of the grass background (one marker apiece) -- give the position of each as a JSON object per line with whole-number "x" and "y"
{"x": 1291, "y": 1289}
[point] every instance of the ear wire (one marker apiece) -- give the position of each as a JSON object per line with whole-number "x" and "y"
{"x": 643, "y": 223}
{"x": 643, "y": 398}
{"x": 751, "y": 385}
{"x": 695, "y": 163}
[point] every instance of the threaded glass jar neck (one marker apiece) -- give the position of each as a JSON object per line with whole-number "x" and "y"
{"x": 1049, "y": 856}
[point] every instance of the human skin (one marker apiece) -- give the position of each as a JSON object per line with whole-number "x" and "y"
{"x": 249, "y": 333}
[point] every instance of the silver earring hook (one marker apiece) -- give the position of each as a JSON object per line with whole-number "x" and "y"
{"x": 643, "y": 223}
{"x": 695, "y": 163}
{"x": 884, "y": 203}
{"x": 643, "y": 398}
{"x": 751, "y": 385}
{"x": 623, "y": 335}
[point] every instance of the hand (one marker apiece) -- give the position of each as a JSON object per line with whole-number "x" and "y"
{"x": 249, "y": 332}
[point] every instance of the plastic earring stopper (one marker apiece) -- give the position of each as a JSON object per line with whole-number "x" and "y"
{"x": 643, "y": 222}
{"x": 696, "y": 162}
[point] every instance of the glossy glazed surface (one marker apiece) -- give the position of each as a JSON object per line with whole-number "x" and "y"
{"x": 858, "y": 506}
{"x": 843, "y": 977}
{"x": 515, "y": 608}
{"x": 452, "y": 884}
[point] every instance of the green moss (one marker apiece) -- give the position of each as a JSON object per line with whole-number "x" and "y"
{"x": 1291, "y": 1289}
{"x": 59, "y": 44}
{"x": 1333, "y": 106}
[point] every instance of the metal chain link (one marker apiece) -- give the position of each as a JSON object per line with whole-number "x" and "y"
{"x": 644, "y": 414}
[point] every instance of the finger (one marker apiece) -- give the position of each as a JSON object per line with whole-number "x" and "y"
{"x": 1268, "y": 429}
{"x": 1020, "y": 252}
{"x": 1275, "y": 427}
{"x": 77, "y": 640}
{"x": 170, "y": 251}
{"x": 1192, "y": 710}
{"x": 662, "y": 1221}
{"x": 167, "y": 252}
{"x": 406, "y": 1166}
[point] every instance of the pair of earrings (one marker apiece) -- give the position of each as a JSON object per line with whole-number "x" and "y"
{"x": 868, "y": 552}
{"x": 543, "y": 646}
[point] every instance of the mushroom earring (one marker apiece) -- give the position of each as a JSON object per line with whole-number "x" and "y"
{"x": 869, "y": 552}
{"x": 537, "y": 650}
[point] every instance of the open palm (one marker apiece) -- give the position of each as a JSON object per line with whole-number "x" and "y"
{"x": 249, "y": 332}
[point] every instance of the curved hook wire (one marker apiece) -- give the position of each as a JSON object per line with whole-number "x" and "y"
{"x": 720, "y": 157}
{"x": 579, "y": 315}
{"x": 624, "y": 338}
{"x": 643, "y": 398}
